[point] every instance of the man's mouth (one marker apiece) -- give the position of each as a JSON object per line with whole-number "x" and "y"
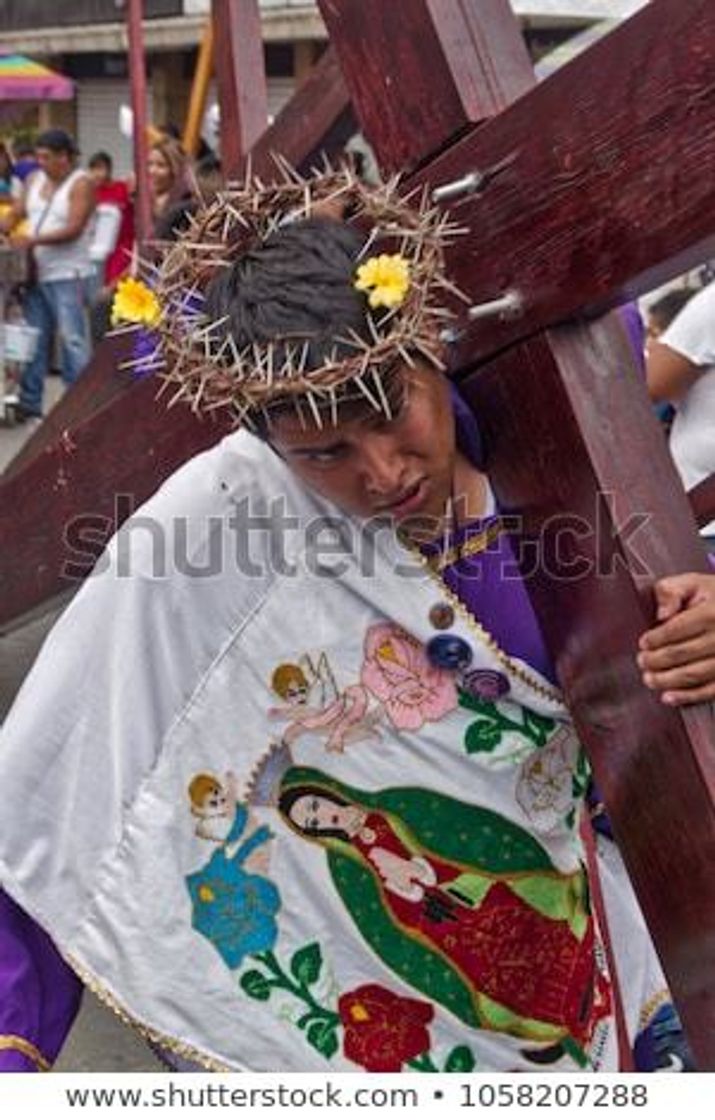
{"x": 407, "y": 501}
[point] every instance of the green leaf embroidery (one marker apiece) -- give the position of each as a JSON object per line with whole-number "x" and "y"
{"x": 474, "y": 704}
{"x": 485, "y": 734}
{"x": 319, "y": 1023}
{"x": 460, "y": 1060}
{"x": 323, "y": 1037}
{"x": 255, "y": 985}
{"x": 306, "y": 964}
{"x": 482, "y": 735}
{"x": 537, "y": 727}
{"x": 422, "y": 1064}
{"x": 582, "y": 775}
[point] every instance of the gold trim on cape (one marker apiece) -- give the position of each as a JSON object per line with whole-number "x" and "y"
{"x": 478, "y": 543}
{"x": 148, "y": 1034}
{"x": 27, "y": 1049}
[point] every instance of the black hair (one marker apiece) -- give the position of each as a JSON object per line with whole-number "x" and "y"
{"x": 175, "y": 219}
{"x": 57, "y": 140}
{"x": 671, "y": 304}
{"x": 170, "y": 129}
{"x": 296, "y": 287}
{"x": 101, "y": 158}
{"x": 288, "y": 798}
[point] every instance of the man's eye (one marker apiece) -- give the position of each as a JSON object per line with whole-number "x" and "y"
{"x": 323, "y": 457}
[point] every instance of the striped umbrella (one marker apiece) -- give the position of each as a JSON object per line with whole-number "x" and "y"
{"x": 22, "y": 79}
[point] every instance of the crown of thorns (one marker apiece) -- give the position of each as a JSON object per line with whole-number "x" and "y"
{"x": 201, "y": 360}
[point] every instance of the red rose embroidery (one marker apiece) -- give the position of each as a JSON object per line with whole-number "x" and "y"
{"x": 383, "y": 1030}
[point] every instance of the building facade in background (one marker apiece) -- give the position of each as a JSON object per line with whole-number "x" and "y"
{"x": 86, "y": 39}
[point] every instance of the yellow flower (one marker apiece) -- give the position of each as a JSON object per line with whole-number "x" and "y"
{"x": 386, "y": 278}
{"x": 134, "y": 302}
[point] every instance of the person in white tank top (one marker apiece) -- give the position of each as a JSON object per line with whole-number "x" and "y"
{"x": 58, "y": 203}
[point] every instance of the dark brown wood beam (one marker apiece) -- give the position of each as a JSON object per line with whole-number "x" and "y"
{"x": 702, "y": 501}
{"x": 318, "y": 118}
{"x": 579, "y": 215}
{"x": 57, "y": 514}
{"x": 140, "y": 142}
{"x": 442, "y": 93}
{"x": 241, "y": 75}
{"x": 593, "y": 203}
{"x": 595, "y": 528}
{"x": 101, "y": 382}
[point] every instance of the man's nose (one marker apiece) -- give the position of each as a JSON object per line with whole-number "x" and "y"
{"x": 381, "y": 465}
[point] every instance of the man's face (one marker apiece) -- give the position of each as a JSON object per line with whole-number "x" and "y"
{"x": 370, "y": 466}
{"x": 56, "y": 165}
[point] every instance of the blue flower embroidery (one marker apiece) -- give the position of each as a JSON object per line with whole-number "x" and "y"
{"x": 235, "y": 910}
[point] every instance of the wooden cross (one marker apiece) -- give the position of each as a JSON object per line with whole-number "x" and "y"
{"x": 595, "y": 186}
{"x": 587, "y": 196}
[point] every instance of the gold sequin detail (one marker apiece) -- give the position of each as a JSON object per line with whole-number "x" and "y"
{"x": 152, "y": 1037}
{"x": 648, "y": 1011}
{"x": 478, "y": 543}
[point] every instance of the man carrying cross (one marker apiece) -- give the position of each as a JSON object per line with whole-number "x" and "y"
{"x": 361, "y": 714}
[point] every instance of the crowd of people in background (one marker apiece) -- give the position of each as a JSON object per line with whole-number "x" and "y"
{"x": 77, "y": 224}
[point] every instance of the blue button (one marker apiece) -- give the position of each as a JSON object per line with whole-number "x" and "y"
{"x": 449, "y": 651}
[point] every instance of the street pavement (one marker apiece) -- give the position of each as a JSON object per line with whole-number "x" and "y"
{"x": 99, "y": 1042}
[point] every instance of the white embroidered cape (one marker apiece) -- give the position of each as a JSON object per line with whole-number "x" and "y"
{"x": 199, "y": 681}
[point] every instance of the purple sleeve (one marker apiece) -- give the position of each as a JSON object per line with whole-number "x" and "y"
{"x": 39, "y": 993}
{"x": 633, "y": 322}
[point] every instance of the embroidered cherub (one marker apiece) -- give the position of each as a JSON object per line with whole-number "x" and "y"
{"x": 234, "y": 904}
{"x": 218, "y": 817}
{"x": 313, "y": 702}
{"x": 213, "y": 803}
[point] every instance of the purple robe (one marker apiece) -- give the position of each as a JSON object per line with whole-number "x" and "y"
{"x": 39, "y": 993}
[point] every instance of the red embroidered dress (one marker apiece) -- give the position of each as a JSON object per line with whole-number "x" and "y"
{"x": 529, "y": 963}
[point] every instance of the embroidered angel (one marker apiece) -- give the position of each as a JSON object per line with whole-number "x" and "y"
{"x": 312, "y": 702}
{"x": 545, "y": 789}
{"x": 233, "y": 903}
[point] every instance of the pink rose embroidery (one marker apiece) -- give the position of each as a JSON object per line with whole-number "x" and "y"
{"x": 396, "y": 670}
